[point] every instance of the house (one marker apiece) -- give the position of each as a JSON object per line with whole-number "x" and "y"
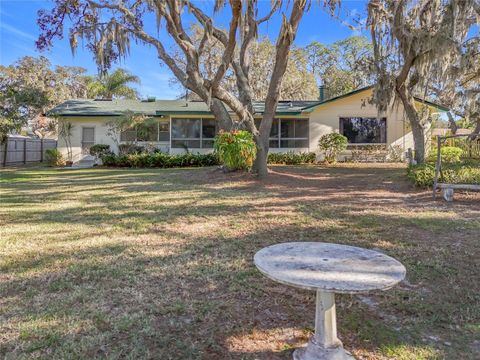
{"x": 179, "y": 124}
{"x": 446, "y": 131}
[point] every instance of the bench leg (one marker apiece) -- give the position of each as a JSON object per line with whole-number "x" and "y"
{"x": 448, "y": 194}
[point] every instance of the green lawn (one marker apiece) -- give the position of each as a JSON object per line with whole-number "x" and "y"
{"x": 103, "y": 263}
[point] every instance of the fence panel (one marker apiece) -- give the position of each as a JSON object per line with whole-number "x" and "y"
{"x": 471, "y": 148}
{"x": 24, "y": 150}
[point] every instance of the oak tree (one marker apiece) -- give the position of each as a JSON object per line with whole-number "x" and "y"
{"x": 109, "y": 26}
{"x": 415, "y": 43}
{"x": 29, "y": 87}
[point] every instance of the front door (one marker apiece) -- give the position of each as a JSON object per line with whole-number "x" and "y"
{"x": 88, "y": 139}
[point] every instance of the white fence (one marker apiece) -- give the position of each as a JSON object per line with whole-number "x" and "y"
{"x": 24, "y": 150}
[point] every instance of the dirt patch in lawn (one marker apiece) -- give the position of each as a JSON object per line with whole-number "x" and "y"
{"x": 158, "y": 263}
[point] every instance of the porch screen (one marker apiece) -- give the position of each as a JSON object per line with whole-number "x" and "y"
{"x": 288, "y": 133}
{"x": 150, "y": 131}
{"x": 193, "y": 133}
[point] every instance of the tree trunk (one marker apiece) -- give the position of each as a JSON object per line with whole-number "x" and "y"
{"x": 451, "y": 123}
{"x": 284, "y": 42}
{"x": 419, "y": 128}
{"x": 260, "y": 166}
{"x": 221, "y": 114}
{"x": 419, "y": 139}
{"x": 476, "y": 132}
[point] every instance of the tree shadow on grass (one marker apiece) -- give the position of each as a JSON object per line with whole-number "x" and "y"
{"x": 206, "y": 300}
{"x": 174, "y": 292}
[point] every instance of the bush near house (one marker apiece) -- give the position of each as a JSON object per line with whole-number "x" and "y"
{"x": 100, "y": 150}
{"x": 449, "y": 154}
{"x": 126, "y": 149}
{"x": 160, "y": 160}
{"x": 236, "y": 149}
{"x": 332, "y": 144}
{"x": 466, "y": 172}
{"x": 54, "y": 157}
{"x": 291, "y": 158}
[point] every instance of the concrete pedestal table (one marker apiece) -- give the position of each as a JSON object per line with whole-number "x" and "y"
{"x": 328, "y": 269}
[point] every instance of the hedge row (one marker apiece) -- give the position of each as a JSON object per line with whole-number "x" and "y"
{"x": 163, "y": 160}
{"x": 291, "y": 158}
{"x": 467, "y": 172}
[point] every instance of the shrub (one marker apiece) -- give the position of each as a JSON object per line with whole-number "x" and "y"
{"x": 125, "y": 149}
{"x": 421, "y": 175}
{"x": 235, "y": 149}
{"x": 449, "y": 154}
{"x": 109, "y": 159}
{"x": 161, "y": 160}
{"x": 395, "y": 153}
{"x": 54, "y": 157}
{"x": 332, "y": 144}
{"x": 466, "y": 172}
{"x": 368, "y": 153}
{"x": 99, "y": 150}
{"x": 291, "y": 158}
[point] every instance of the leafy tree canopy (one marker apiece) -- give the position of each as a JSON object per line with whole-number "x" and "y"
{"x": 418, "y": 43}
{"x": 30, "y": 86}
{"x": 342, "y": 66}
{"x": 298, "y": 83}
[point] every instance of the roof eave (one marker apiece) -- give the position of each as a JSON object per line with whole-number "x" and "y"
{"x": 310, "y": 108}
{"x": 435, "y": 105}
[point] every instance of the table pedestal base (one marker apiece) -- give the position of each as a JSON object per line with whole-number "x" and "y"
{"x": 324, "y": 344}
{"x": 316, "y": 352}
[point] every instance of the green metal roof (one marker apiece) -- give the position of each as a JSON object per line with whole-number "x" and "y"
{"x": 433, "y": 104}
{"x": 89, "y": 107}
{"x": 115, "y": 107}
{"x": 314, "y": 106}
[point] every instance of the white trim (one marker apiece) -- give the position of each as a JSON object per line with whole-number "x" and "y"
{"x": 170, "y": 133}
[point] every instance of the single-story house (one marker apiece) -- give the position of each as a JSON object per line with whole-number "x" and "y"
{"x": 182, "y": 124}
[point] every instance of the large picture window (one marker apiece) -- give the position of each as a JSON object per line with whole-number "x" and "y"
{"x": 289, "y": 133}
{"x": 364, "y": 130}
{"x": 193, "y": 133}
{"x": 150, "y": 131}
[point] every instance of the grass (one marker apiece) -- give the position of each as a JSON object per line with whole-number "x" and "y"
{"x": 102, "y": 263}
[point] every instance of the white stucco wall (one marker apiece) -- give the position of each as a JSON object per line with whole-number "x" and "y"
{"x": 78, "y": 122}
{"x": 326, "y": 118}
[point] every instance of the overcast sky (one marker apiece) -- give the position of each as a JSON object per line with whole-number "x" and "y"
{"x": 18, "y": 31}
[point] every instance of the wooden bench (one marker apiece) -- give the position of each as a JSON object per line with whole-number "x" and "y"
{"x": 449, "y": 189}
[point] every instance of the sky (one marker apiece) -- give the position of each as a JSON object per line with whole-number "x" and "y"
{"x": 19, "y": 30}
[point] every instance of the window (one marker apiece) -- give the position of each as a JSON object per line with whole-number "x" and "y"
{"x": 193, "y": 133}
{"x": 364, "y": 130}
{"x": 208, "y": 132}
{"x": 150, "y": 131}
{"x": 164, "y": 131}
{"x": 88, "y": 138}
{"x": 128, "y": 135}
{"x": 147, "y": 132}
{"x": 289, "y": 133}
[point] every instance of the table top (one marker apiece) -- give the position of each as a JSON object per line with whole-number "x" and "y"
{"x": 329, "y": 267}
